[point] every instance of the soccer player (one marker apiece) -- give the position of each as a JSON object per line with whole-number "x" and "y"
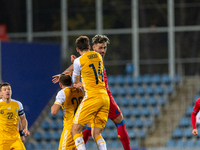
{"x": 10, "y": 112}
{"x": 95, "y": 105}
{"x": 68, "y": 98}
{"x": 193, "y": 116}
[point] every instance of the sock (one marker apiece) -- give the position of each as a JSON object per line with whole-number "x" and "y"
{"x": 86, "y": 134}
{"x": 123, "y": 135}
{"x": 101, "y": 144}
{"x": 78, "y": 139}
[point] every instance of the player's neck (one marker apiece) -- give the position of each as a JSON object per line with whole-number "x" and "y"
{"x": 83, "y": 52}
{"x": 7, "y": 100}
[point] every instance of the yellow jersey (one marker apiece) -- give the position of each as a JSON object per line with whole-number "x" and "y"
{"x": 90, "y": 67}
{"x": 69, "y": 99}
{"x": 9, "y": 117}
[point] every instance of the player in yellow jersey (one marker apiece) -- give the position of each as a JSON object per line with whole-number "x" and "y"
{"x": 68, "y": 98}
{"x": 10, "y": 111}
{"x": 95, "y": 105}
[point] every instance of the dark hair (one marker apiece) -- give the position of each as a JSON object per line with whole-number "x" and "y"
{"x": 65, "y": 80}
{"x": 4, "y": 84}
{"x": 82, "y": 43}
{"x": 100, "y": 39}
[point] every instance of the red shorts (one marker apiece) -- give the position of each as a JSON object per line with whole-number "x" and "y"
{"x": 114, "y": 111}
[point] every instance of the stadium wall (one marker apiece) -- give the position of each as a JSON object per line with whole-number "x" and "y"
{"x": 29, "y": 68}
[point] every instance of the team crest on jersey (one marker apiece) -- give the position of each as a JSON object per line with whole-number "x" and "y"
{"x": 2, "y": 111}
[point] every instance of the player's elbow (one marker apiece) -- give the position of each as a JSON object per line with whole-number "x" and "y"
{"x": 53, "y": 112}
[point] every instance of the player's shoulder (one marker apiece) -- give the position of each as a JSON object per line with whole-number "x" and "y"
{"x": 16, "y": 101}
{"x": 198, "y": 101}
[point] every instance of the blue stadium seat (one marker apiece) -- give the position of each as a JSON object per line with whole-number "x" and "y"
{"x": 155, "y": 111}
{"x": 177, "y": 133}
{"x": 159, "y": 90}
{"x": 126, "y": 112}
{"x": 185, "y": 122}
{"x": 141, "y": 133}
{"x": 133, "y": 101}
{"x": 56, "y": 135}
{"x": 146, "y": 79}
{"x": 37, "y": 136}
{"x": 190, "y": 143}
{"x": 152, "y": 101}
{"x": 180, "y": 144}
{"x": 134, "y": 144}
{"x": 140, "y": 90}
{"x": 150, "y": 90}
{"x": 187, "y": 133}
{"x": 170, "y": 143}
{"x": 138, "y": 123}
{"x": 138, "y": 80}
{"x": 113, "y": 90}
{"x": 143, "y": 101}
{"x": 47, "y": 136}
{"x": 189, "y": 111}
{"x": 54, "y": 125}
{"x": 111, "y": 80}
{"x": 162, "y": 100}
{"x": 119, "y": 79}
{"x": 148, "y": 122}
{"x": 49, "y": 145}
{"x": 131, "y": 91}
{"x": 129, "y": 123}
{"x": 135, "y": 112}
{"x": 45, "y": 125}
{"x": 169, "y": 89}
{"x": 110, "y": 124}
{"x": 39, "y": 146}
{"x": 60, "y": 114}
{"x": 145, "y": 112}
{"x": 165, "y": 79}
{"x": 113, "y": 134}
{"x": 30, "y": 146}
{"x": 131, "y": 133}
{"x": 128, "y": 79}
{"x": 129, "y": 68}
{"x": 121, "y": 91}
{"x": 156, "y": 79}
{"x": 197, "y": 144}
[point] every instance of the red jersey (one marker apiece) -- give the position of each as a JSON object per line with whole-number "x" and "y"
{"x": 194, "y": 113}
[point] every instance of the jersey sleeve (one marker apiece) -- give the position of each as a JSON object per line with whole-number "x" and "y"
{"x": 77, "y": 69}
{"x": 21, "y": 109}
{"x": 196, "y": 106}
{"x": 60, "y": 98}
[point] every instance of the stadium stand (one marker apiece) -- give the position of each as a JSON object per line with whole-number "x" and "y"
{"x": 140, "y": 99}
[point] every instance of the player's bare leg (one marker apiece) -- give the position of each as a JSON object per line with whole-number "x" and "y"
{"x": 96, "y": 134}
{"x": 77, "y": 136}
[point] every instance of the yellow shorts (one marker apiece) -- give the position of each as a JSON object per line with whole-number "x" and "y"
{"x": 12, "y": 145}
{"x": 93, "y": 109}
{"x": 66, "y": 140}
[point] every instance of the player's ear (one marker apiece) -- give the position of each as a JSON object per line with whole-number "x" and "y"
{"x": 60, "y": 85}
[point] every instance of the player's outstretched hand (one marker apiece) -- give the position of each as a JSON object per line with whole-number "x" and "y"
{"x": 55, "y": 78}
{"x": 26, "y": 132}
{"x": 194, "y": 132}
{"x": 73, "y": 57}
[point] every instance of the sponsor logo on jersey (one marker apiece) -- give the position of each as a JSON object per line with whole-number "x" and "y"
{"x": 2, "y": 111}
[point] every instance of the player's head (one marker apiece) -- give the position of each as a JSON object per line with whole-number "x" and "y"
{"x": 65, "y": 80}
{"x": 5, "y": 90}
{"x": 82, "y": 43}
{"x": 100, "y": 44}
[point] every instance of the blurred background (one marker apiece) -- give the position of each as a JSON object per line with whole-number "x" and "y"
{"x": 152, "y": 63}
